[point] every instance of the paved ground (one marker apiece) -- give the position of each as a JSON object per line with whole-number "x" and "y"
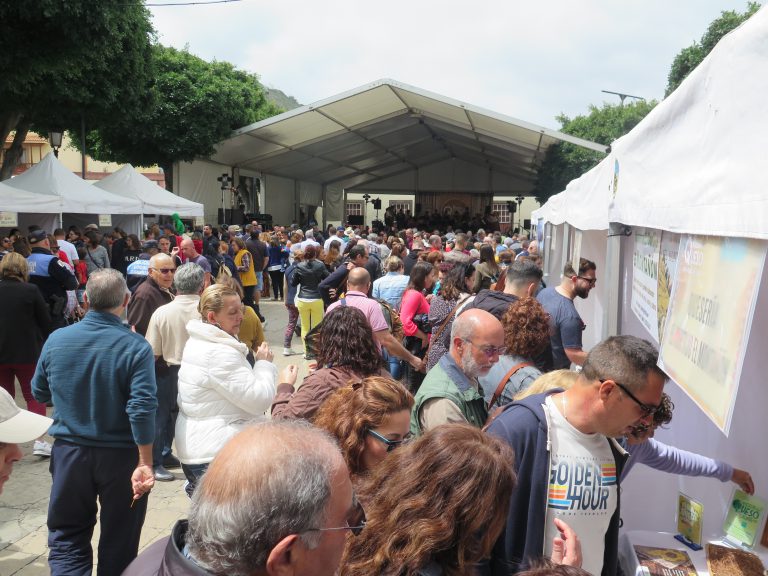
{"x": 24, "y": 501}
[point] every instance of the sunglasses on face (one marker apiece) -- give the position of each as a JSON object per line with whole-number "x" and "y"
{"x": 648, "y": 409}
{"x": 391, "y": 444}
{"x": 164, "y": 270}
{"x": 591, "y": 281}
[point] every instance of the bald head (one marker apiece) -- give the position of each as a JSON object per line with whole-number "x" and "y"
{"x": 188, "y": 248}
{"x": 161, "y": 270}
{"x": 469, "y": 323}
{"x": 477, "y": 341}
{"x": 359, "y": 279}
{"x": 272, "y": 480}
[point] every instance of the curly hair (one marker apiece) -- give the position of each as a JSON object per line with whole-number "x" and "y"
{"x": 526, "y": 328}
{"x": 351, "y": 411}
{"x": 442, "y": 498}
{"x": 346, "y": 339}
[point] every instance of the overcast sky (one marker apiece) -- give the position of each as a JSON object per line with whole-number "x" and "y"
{"x": 531, "y": 59}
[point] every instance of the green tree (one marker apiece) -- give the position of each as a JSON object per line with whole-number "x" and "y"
{"x": 564, "y": 161}
{"x": 690, "y": 57}
{"x": 193, "y": 105}
{"x": 68, "y": 62}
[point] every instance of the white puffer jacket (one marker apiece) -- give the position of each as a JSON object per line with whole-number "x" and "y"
{"x": 219, "y": 392}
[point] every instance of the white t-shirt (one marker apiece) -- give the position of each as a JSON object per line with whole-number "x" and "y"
{"x": 583, "y": 487}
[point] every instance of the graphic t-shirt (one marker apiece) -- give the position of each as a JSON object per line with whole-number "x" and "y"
{"x": 583, "y": 488}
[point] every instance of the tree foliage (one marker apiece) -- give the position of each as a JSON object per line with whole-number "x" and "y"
{"x": 690, "y": 57}
{"x": 73, "y": 60}
{"x": 193, "y": 104}
{"x": 565, "y": 161}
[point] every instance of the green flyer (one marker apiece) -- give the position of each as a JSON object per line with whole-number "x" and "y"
{"x": 690, "y": 517}
{"x": 742, "y": 522}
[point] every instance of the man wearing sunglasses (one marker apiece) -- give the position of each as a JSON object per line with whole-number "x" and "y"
{"x": 451, "y": 391}
{"x": 565, "y": 449}
{"x": 567, "y": 325}
{"x": 291, "y": 509}
{"x": 152, "y": 293}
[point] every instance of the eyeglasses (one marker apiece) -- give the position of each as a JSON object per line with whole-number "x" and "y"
{"x": 6, "y": 240}
{"x": 591, "y": 281}
{"x": 391, "y": 444}
{"x": 164, "y": 270}
{"x": 355, "y": 520}
{"x": 489, "y": 351}
{"x": 648, "y": 409}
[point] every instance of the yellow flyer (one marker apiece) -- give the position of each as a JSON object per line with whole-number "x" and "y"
{"x": 690, "y": 518}
{"x": 706, "y": 331}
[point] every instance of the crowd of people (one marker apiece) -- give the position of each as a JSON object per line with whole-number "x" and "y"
{"x": 451, "y": 421}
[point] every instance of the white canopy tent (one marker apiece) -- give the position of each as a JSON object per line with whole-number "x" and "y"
{"x": 385, "y": 137}
{"x": 694, "y": 165}
{"x": 81, "y": 203}
{"x": 128, "y": 183}
{"x": 29, "y": 207}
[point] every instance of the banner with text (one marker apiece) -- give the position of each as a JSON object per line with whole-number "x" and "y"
{"x": 670, "y": 244}
{"x": 645, "y": 274}
{"x": 709, "y": 319}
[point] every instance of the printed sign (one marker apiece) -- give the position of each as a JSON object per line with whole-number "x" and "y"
{"x": 105, "y": 220}
{"x": 742, "y": 522}
{"x": 645, "y": 279}
{"x": 670, "y": 243}
{"x": 9, "y": 219}
{"x": 690, "y": 518}
{"x": 705, "y": 336}
{"x": 199, "y": 221}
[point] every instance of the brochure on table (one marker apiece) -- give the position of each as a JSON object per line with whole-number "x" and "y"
{"x": 744, "y": 520}
{"x": 690, "y": 519}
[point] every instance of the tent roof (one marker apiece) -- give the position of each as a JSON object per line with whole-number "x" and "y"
{"x": 695, "y": 164}
{"x": 387, "y": 128}
{"x": 49, "y": 176}
{"x": 128, "y": 183}
{"x": 18, "y": 200}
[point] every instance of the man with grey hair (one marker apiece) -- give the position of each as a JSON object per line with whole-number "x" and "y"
{"x": 167, "y": 334}
{"x": 152, "y": 293}
{"x": 451, "y": 391}
{"x": 259, "y": 510}
{"x": 104, "y": 401}
{"x": 564, "y": 446}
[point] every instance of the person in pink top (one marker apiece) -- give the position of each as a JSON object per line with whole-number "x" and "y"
{"x": 414, "y": 312}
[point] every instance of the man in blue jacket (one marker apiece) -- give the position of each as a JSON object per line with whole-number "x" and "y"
{"x": 101, "y": 378}
{"x": 567, "y": 460}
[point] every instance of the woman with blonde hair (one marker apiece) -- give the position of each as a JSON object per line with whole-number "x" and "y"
{"x": 219, "y": 390}
{"x": 370, "y": 419}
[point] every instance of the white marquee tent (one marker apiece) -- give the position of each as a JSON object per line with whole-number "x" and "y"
{"x": 128, "y": 183}
{"x": 81, "y": 203}
{"x": 29, "y": 207}
{"x": 694, "y": 165}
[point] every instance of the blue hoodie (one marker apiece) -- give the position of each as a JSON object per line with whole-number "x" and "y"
{"x": 523, "y": 425}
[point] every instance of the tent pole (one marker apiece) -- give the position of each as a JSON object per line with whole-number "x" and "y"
{"x": 61, "y": 220}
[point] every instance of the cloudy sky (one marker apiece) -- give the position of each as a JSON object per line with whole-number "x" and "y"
{"x": 529, "y": 59}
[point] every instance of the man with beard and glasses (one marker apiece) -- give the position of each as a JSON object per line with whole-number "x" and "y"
{"x": 451, "y": 391}
{"x": 566, "y": 323}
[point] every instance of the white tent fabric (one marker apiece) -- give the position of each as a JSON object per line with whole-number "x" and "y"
{"x": 128, "y": 183}
{"x": 695, "y": 164}
{"x": 14, "y": 199}
{"x": 551, "y": 211}
{"x": 50, "y": 177}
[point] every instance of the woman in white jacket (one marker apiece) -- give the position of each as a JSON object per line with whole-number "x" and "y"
{"x": 219, "y": 391}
